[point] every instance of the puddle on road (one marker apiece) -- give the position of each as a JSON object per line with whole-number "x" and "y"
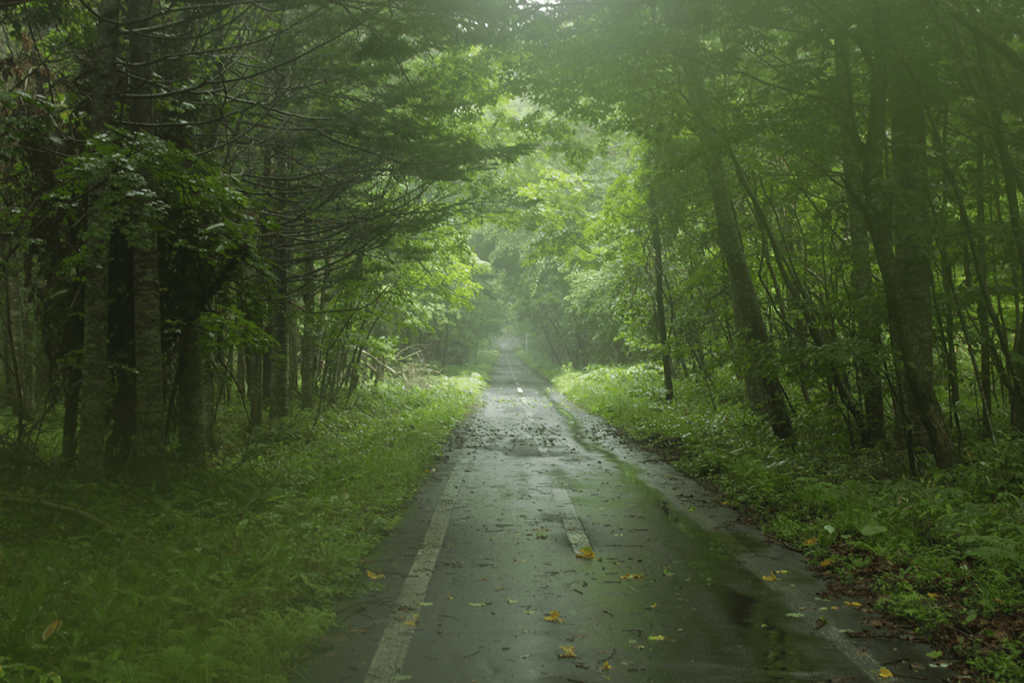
{"x": 776, "y": 638}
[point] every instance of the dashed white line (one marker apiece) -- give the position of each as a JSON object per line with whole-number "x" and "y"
{"x": 570, "y": 520}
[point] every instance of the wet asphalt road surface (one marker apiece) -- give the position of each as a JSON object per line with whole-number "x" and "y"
{"x": 483, "y": 580}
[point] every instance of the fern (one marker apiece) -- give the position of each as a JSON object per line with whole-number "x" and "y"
{"x": 995, "y": 549}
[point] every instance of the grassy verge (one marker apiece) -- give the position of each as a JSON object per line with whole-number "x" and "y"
{"x": 943, "y": 554}
{"x": 232, "y": 575}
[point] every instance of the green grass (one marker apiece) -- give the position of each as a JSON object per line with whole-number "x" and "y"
{"x": 233, "y": 574}
{"x": 945, "y": 550}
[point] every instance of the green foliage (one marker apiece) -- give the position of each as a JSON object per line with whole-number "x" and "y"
{"x": 227, "y": 577}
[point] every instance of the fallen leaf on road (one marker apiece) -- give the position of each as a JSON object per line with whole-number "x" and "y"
{"x": 606, "y": 667}
{"x": 568, "y": 652}
{"x": 884, "y": 673}
{"x": 655, "y": 637}
{"x": 632, "y": 576}
{"x": 374, "y": 576}
{"x": 553, "y": 616}
{"x": 585, "y": 554}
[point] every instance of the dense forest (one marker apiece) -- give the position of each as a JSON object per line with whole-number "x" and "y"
{"x": 788, "y": 204}
{"x": 267, "y": 201}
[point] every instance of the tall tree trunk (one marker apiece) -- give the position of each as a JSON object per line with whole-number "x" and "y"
{"x": 147, "y": 464}
{"x": 93, "y": 395}
{"x": 909, "y": 272}
{"x": 149, "y": 453}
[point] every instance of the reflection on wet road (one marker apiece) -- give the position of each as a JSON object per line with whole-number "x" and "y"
{"x": 490, "y": 577}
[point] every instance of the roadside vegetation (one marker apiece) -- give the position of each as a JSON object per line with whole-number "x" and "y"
{"x": 941, "y": 553}
{"x": 231, "y": 575}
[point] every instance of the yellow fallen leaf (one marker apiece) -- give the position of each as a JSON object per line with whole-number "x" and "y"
{"x": 827, "y": 562}
{"x": 374, "y": 576}
{"x": 568, "y": 651}
{"x": 554, "y": 616}
{"x": 632, "y": 576}
{"x": 851, "y": 604}
{"x": 933, "y": 595}
{"x": 654, "y": 606}
{"x": 585, "y": 554}
{"x": 811, "y": 541}
{"x": 606, "y": 667}
{"x": 884, "y": 673}
{"x": 770, "y": 578}
{"x": 655, "y": 637}
{"x": 51, "y": 629}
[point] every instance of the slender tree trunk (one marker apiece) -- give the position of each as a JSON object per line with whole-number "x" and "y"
{"x": 192, "y": 398}
{"x": 294, "y": 353}
{"x": 659, "y": 310}
{"x": 254, "y": 378}
{"x": 278, "y": 392}
{"x": 16, "y": 365}
{"x": 309, "y": 344}
{"x": 978, "y": 246}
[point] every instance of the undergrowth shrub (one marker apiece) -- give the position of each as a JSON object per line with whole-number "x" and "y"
{"x": 233, "y": 573}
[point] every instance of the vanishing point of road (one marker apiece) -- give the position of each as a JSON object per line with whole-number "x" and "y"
{"x": 489, "y": 578}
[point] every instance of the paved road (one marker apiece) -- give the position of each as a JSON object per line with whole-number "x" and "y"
{"x": 483, "y": 582}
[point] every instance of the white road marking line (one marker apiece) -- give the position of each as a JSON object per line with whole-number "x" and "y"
{"x": 573, "y": 527}
{"x": 394, "y": 643}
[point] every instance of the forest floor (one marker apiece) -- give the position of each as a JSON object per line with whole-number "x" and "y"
{"x": 939, "y": 556}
